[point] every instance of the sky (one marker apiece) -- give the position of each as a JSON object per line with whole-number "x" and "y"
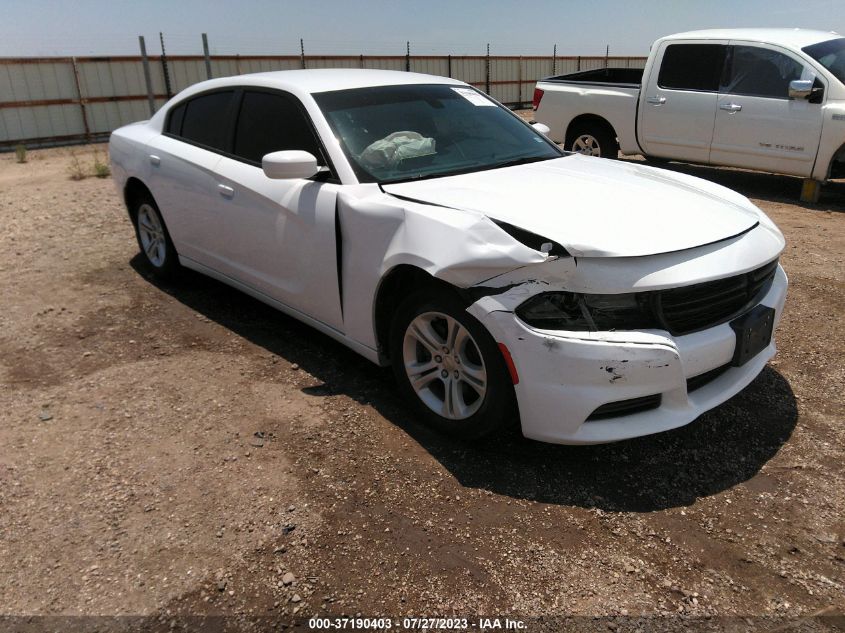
{"x": 459, "y": 27}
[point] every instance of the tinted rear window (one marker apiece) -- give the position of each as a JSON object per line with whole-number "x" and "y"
{"x": 206, "y": 120}
{"x": 174, "y": 123}
{"x": 692, "y": 67}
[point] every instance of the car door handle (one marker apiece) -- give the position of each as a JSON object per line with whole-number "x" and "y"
{"x": 155, "y": 161}
{"x": 730, "y": 107}
{"x": 226, "y": 191}
{"x": 656, "y": 100}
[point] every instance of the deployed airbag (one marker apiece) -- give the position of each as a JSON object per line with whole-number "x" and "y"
{"x": 396, "y": 147}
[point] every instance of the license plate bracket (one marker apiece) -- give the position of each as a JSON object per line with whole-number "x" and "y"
{"x": 753, "y": 333}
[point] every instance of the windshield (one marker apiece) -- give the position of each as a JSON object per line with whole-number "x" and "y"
{"x": 831, "y": 55}
{"x": 411, "y": 132}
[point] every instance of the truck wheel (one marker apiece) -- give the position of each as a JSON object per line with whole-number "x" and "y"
{"x": 592, "y": 139}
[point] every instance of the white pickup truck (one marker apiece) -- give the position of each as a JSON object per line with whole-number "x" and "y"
{"x": 765, "y": 99}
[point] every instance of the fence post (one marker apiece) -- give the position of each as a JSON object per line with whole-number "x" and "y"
{"x": 554, "y": 60}
{"x": 408, "y": 57}
{"x": 362, "y": 60}
{"x": 147, "y": 77}
{"x": 302, "y": 52}
{"x": 205, "y": 54}
{"x": 449, "y": 66}
{"x": 606, "y": 55}
{"x": 81, "y": 100}
{"x": 487, "y": 70}
{"x": 579, "y": 62}
{"x": 164, "y": 68}
{"x": 519, "y": 79}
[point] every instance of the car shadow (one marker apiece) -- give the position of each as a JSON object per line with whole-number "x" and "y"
{"x": 758, "y": 185}
{"x": 721, "y": 449}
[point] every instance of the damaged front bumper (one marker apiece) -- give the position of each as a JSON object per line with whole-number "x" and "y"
{"x": 567, "y": 379}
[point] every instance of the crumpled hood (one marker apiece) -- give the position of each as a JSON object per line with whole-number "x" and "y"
{"x": 595, "y": 207}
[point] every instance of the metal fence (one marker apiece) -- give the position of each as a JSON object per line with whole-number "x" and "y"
{"x": 62, "y": 100}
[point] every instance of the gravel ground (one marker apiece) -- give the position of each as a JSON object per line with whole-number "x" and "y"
{"x": 182, "y": 449}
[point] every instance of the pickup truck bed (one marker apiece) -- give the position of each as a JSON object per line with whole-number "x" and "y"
{"x": 582, "y": 104}
{"x": 628, "y": 77}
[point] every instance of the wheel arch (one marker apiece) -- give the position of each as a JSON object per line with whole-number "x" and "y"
{"x": 836, "y": 168}
{"x": 395, "y": 285}
{"x": 132, "y": 190}
{"x": 589, "y": 118}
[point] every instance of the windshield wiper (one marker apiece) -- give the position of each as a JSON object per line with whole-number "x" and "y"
{"x": 521, "y": 161}
{"x": 508, "y": 163}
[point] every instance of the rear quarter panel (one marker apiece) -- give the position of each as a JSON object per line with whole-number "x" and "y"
{"x": 563, "y": 102}
{"x": 127, "y": 153}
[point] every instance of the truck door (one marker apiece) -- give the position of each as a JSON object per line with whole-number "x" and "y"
{"x": 757, "y": 125}
{"x": 678, "y": 100}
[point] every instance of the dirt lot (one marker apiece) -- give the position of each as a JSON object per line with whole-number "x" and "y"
{"x": 181, "y": 449}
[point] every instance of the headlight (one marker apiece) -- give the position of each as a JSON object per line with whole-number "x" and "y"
{"x": 587, "y": 312}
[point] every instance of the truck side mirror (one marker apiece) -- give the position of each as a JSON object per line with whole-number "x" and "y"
{"x": 800, "y": 88}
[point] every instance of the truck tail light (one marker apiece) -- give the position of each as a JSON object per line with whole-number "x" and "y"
{"x": 538, "y": 94}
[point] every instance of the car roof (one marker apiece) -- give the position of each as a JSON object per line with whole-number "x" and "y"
{"x": 795, "y": 38}
{"x": 326, "y": 79}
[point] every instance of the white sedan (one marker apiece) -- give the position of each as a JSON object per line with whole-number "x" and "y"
{"x": 425, "y": 226}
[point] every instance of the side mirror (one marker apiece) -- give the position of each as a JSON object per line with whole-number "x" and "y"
{"x": 542, "y": 128}
{"x": 289, "y": 164}
{"x": 800, "y": 88}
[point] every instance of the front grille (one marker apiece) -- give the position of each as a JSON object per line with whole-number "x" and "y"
{"x": 700, "y": 306}
{"x": 697, "y": 382}
{"x": 625, "y": 407}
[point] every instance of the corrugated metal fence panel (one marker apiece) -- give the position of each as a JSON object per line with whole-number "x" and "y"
{"x": 39, "y": 122}
{"x": 37, "y": 81}
{"x": 384, "y": 63}
{"x": 431, "y": 66}
{"x": 114, "y": 92}
{"x": 469, "y": 69}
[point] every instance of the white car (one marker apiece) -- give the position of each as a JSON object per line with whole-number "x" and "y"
{"x": 767, "y": 99}
{"x": 424, "y": 225}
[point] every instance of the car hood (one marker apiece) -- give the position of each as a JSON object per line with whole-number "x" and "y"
{"x": 595, "y": 207}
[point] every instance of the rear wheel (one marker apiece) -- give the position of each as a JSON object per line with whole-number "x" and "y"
{"x": 153, "y": 239}
{"x": 592, "y": 139}
{"x": 449, "y": 367}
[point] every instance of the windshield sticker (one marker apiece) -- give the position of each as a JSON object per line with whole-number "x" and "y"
{"x": 475, "y": 98}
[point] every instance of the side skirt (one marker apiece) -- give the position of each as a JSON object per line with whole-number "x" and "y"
{"x": 365, "y": 351}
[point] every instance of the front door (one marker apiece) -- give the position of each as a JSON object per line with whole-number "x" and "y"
{"x": 757, "y": 125}
{"x": 278, "y": 236}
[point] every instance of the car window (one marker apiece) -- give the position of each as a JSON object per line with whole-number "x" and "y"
{"x": 270, "y": 122}
{"x": 174, "y": 122}
{"x": 692, "y": 67}
{"x": 206, "y": 120}
{"x": 761, "y": 72}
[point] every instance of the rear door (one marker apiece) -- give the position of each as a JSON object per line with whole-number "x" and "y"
{"x": 278, "y": 236}
{"x": 757, "y": 125}
{"x": 678, "y": 101}
{"x": 183, "y": 172}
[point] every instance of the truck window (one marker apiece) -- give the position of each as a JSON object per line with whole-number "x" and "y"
{"x": 761, "y": 72}
{"x": 692, "y": 67}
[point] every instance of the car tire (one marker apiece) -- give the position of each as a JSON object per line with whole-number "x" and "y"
{"x": 157, "y": 248}
{"x": 592, "y": 139}
{"x": 465, "y": 392}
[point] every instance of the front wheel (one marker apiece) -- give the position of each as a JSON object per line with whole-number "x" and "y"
{"x": 449, "y": 367}
{"x": 592, "y": 139}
